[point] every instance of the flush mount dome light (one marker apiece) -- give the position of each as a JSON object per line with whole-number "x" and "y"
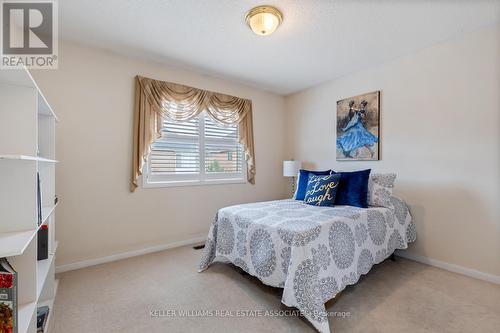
{"x": 264, "y": 20}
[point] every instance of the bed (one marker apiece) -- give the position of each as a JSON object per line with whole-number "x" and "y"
{"x": 311, "y": 252}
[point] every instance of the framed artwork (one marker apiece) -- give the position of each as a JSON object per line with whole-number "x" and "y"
{"x": 358, "y": 128}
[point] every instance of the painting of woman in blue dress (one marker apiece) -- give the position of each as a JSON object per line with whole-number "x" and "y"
{"x": 358, "y": 128}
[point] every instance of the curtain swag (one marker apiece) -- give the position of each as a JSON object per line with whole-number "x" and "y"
{"x": 156, "y": 100}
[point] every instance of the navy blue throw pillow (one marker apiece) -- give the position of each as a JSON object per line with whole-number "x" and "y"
{"x": 353, "y": 188}
{"x": 303, "y": 179}
{"x": 321, "y": 190}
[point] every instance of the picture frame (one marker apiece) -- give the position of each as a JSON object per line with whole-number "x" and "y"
{"x": 358, "y": 128}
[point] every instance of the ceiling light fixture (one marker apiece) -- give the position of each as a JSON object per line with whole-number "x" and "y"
{"x": 263, "y": 20}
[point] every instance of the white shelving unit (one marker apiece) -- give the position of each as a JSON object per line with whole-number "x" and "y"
{"x": 27, "y": 147}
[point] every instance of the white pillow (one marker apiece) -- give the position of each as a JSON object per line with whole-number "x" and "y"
{"x": 380, "y": 188}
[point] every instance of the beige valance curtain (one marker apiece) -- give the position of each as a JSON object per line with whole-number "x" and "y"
{"x": 155, "y": 100}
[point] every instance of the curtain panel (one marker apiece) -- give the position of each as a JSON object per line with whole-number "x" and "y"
{"x": 156, "y": 100}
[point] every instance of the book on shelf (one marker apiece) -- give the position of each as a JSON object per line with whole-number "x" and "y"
{"x": 8, "y": 297}
{"x": 43, "y": 242}
{"x": 39, "y": 198}
{"x": 42, "y": 314}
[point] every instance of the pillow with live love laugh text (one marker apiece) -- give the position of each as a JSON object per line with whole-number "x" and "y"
{"x": 321, "y": 190}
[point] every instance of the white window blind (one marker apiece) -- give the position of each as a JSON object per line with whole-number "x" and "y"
{"x": 177, "y": 151}
{"x": 196, "y": 151}
{"x": 223, "y": 153}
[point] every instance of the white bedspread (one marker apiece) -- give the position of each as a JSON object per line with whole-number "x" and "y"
{"x": 311, "y": 252}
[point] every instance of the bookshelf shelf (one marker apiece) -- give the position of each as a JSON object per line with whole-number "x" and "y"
{"x": 27, "y": 158}
{"x": 14, "y": 243}
{"x": 46, "y": 160}
{"x": 22, "y": 78}
{"x": 27, "y": 137}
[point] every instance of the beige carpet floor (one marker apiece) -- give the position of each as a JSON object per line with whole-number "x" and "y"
{"x": 400, "y": 296}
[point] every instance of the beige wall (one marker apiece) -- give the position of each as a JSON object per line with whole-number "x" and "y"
{"x": 440, "y": 131}
{"x": 92, "y": 93}
{"x": 440, "y": 125}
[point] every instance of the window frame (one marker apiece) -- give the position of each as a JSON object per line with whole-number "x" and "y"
{"x": 201, "y": 178}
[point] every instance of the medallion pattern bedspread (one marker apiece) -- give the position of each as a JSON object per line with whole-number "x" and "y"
{"x": 311, "y": 252}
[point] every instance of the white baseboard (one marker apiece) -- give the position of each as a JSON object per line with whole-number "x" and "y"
{"x": 129, "y": 254}
{"x": 450, "y": 267}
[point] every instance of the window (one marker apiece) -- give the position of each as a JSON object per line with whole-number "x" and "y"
{"x": 197, "y": 151}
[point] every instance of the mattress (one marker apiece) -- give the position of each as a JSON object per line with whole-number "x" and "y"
{"x": 311, "y": 252}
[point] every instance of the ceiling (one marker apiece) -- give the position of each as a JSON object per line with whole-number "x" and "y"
{"x": 319, "y": 40}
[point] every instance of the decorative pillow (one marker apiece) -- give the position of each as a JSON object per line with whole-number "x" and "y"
{"x": 380, "y": 189}
{"x": 353, "y": 188}
{"x": 300, "y": 193}
{"x": 321, "y": 190}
